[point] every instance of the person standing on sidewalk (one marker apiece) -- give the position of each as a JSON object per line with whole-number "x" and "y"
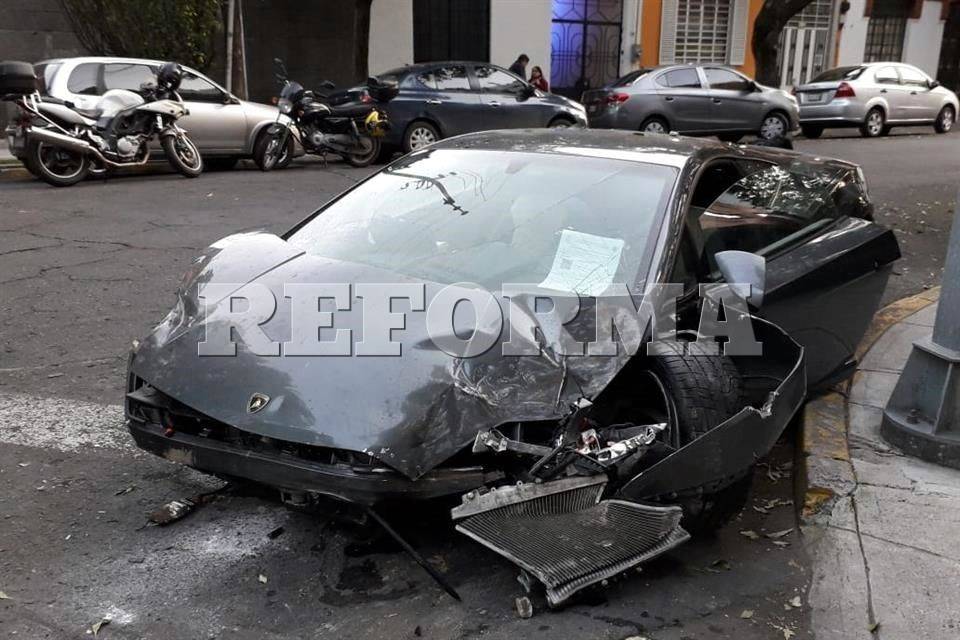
{"x": 537, "y": 79}
{"x": 519, "y": 67}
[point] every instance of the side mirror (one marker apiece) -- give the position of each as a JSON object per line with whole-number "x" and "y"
{"x": 754, "y": 87}
{"x": 743, "y": 268}
{"x": 528, "y": 90}
{"x": 933, "y": 84}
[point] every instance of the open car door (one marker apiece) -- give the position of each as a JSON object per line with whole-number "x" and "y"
{"x": 827, "y": 262}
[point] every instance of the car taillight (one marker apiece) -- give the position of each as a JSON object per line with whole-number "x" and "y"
{"x": 844, "y": 91}
{"x": 617, "y": 98}
{"x": 274, "y": 100}
{"x": 365, "y": 98}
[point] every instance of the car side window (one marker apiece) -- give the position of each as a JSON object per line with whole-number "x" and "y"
{"x": 425, "y": 80}
{"x": 493, "y": 80}
{"x": 124, "y": 75}
{"x": 886, "y": 75}
{"x": 452, "y": 78}
{"x": 680, "y": 79}
{"x": 83, "y": 79}
{"x": 726, "y": 79}
{"x": 913, "y": 77}
{"x": 197, "y": 89}
{"x": 765, "y": 206}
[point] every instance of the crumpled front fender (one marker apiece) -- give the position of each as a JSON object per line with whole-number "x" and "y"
{"x": 724, "y": 453}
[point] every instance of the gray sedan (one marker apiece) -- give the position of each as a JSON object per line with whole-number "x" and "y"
{"x": 704, "y": 100}
{"x": 875, "y": 97}
{"x": 224, "y": 127}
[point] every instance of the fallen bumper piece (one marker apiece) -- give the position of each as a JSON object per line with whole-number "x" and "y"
{"x": 564, "y": 535}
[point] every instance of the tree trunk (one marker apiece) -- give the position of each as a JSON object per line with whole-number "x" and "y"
{"x": 362, "y": 39}
{"x": 771, "y": 20}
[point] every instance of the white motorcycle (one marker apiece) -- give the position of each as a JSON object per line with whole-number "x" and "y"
{"x": 64, "y": 144}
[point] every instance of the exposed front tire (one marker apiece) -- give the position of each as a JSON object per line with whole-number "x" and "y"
{"x": 57, "y": 166}
{"x": 655, "y": 124}
{"x": 775, "y": 125}
{"x": 418, "y": 135}
{"x": 183, "y": 155}
{"x": 873, "y": 124}
{"x": 945, "y": 120}
{"x": 706, "y": 390}
{"x": 811, "y": 131}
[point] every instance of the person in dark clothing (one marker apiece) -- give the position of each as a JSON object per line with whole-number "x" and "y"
{"x": 537, "y": 79}
{"x": 520, "y": 66}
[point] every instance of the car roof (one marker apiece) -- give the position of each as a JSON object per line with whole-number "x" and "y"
{"x": 420, "y": 66}
{"x": 121, "y": 59}
{"x": 618, "y": 144}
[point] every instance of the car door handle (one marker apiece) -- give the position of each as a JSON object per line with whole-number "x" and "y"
{"x": 913, "y": 93}
{"x": 717, "y": 100}
{"x": 669, "y": 98}
{"x": 883, "y": 90}
{"x": 433, "y": 101}
{"x": 494, "y": 103}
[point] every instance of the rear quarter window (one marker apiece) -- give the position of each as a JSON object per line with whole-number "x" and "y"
{"x": 84, "y": 79}
{"x": 45, "y": 74}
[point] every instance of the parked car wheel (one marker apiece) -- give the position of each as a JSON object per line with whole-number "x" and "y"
{"x": 811, "y": 131}
{"x": 945, "y": 120}
{"x": 655, "y": 124}
{"x": 365, "y": 157}
{"x": 57, "y": 166}
{"x": 707, "y": 390}
{"x": 873, "y": 124}
{"x": 265, "y": 152}
{"x": 774, "y": 125}
{"x": 560, "y": 123}
{"x": 418, "y": 135}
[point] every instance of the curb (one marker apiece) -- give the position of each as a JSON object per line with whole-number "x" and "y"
{"x": 825, "y": 472}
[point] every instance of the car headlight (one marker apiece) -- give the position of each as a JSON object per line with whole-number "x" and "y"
{"x": 285, "y": 106}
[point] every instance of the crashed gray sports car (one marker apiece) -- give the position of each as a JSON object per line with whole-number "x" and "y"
{"x": 574, "y": 456}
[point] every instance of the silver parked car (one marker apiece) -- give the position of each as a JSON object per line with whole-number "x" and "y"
{"x": 704, "y": 100}
{"x": 224, "y": 127}
{"x": 875, "y": 97}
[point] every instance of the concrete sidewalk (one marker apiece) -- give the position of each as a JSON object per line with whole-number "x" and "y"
{"x": 881, "y": 527}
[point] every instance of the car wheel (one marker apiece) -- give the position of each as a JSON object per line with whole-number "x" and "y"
{"x": 810, "y": 131}
{"x": 419, "y": 135}
{"x": 655, "y": 124}
{"x": 873, "y": 124}
{"x": 706, "y": 390}
{"x": 945, "y": 120}
{"x": 560, "y": 123}
{"x": 774, "y": 126}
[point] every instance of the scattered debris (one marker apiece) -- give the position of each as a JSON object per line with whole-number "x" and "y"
{"x": 95, "y": 629}
{"x": 785, "y": 630}
{"x": 781, "y": 543}
{"x": 753, "y": 535}
{"x": 4, "y": 596}
{"x": 172, "y": 511}
{"x": 746, "y": 614}
{"x": 262, "y": 579}
{"x": 126, "y": 490}
{"x": 796, "y": 603}
{"x": 718, "y": 566}
{"x": 69, "y": 535}
{"x": 524, "y": 607}
{"x": 57, "y": 375}
{"x": 23, "y": 464}
{"x": 276, "y": 533}
{"x": 779, "y": 534}
{"x": 874, "y": 627}
{"x": 417, "y": 631}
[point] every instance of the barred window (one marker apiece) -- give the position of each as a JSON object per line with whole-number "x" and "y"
{"x": 703, "y": 28}
{"x": 885, "y": 32}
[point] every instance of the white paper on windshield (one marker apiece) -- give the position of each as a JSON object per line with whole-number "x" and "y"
{"x": 584, "y": 264}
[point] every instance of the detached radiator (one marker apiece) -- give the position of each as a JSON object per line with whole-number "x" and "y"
{"x": 564, "y": 535}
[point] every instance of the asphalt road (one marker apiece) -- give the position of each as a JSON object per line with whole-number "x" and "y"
{"x": 85, "y": 270}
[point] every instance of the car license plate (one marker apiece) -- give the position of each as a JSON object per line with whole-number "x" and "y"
{"x": 593, "y": 108}
{"x": 813, "y": 97}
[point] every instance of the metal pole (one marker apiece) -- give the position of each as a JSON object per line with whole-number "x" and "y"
{"x": 231, "y": 6}
{"x": 923, "y": 415}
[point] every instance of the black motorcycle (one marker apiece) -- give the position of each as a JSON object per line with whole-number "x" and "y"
{"x": 352, "y": 131}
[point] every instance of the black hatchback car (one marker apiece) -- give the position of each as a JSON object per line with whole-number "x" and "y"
{"x": 442, "y": 99}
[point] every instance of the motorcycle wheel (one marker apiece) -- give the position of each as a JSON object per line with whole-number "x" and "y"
{"x": 366, "y": 157}
{"x": 183, "y": 155}
{"x": 268, "y": 155}
{"x": 57, "y": 166}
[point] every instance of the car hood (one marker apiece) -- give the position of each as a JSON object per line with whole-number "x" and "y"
{"x": 410, "y": 412}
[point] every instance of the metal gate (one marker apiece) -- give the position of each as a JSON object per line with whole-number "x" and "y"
{"x": 804, "y": 44}
{"x": 948, "y": 71}
{"x": 585, "y": 47}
